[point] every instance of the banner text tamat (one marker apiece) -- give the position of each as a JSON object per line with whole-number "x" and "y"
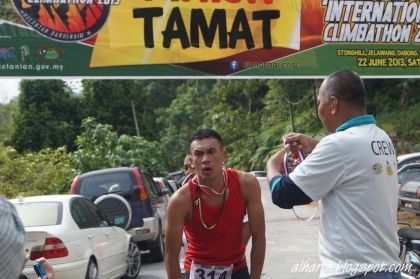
{"x": 205, "y": 38}
{"x": 168, "y": 31}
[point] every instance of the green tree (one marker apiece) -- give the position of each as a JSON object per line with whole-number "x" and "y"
{"x": 112, "y": 102}
{"x": 109, "y": 101}
{"x": 47, "y": 116}
{"x": 284, "y": 99}
{"x": 236, "y": 110}
{"x": 251, "y": 115}
{"x": 185, "y": 114}
{"x": 394, "y": 100}
{"x": 152, "y": 101}
{"x": 100, "y": 147}
{"x": 35, "y": 173}
{"x": 6, "y": 120}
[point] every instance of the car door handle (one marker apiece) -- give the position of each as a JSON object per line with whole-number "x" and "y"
{"x": 90, "y": 236}
{"x": 106, "y": 234}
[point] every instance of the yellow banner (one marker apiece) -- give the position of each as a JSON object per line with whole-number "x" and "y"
{"x": 170, "y": 32}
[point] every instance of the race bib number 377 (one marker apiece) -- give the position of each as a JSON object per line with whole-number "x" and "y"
{"x": 200, "y": 271}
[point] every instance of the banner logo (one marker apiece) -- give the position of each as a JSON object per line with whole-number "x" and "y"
{"x": 371, "y": 21}
{"x": 65, "y": 20}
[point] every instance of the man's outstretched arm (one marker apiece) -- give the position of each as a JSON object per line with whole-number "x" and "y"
{"x": 284, "y": 192}
{"x": 175, "y": 215}
{"x": 252, "y": 193}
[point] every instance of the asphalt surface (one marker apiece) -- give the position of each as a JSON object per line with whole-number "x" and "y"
{"x": 292, "y": 244}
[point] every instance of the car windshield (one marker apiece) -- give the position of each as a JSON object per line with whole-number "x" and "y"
{"x": 409, "y": 174}
{"x": 98, "y": 185}
{"x": 36, "y": 214}
{"x": 408, "y": 159}
{"x": 176, "y": 175}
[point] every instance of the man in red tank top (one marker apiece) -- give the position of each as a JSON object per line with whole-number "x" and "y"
{"x": 210, "y": 208}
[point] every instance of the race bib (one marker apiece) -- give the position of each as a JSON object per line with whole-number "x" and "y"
{"x": 201, "y": 271}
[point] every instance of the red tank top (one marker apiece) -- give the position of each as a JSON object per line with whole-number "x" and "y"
{"x": 222, "y": 245}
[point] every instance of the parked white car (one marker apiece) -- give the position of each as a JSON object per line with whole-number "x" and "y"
{"x": 409, "y": 158}
{"x": 409, "y": 194}
{"x": 76, "y": 238}
{"x": 162, "y": 183}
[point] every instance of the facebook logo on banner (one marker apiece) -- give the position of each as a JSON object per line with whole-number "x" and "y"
{"x": 234, "y": 65}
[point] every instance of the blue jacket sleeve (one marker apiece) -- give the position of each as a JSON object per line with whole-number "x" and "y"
{"x": 286, "y": 194}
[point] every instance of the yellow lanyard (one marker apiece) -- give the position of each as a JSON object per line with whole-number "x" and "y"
{"x": 198, "y": 203}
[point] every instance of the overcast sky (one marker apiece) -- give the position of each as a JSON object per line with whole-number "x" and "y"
{"x": 9, "y": 88}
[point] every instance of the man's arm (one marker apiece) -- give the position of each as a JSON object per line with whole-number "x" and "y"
{"x": 273, "y": 165}
{"x": 284, "y": 192}
{"x": 176, "y": 214}
{"x": 252, "y": 193}
{"x": 294, "y": 142}
{"x": 301, "y": 142}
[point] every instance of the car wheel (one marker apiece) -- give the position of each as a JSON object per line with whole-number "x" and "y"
{"x": 157, "y": 252}
{"x": 92, "y": 270}
{"x": 133, "y": 261}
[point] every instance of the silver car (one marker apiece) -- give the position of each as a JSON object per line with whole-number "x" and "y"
{"x": 76, "y": 238}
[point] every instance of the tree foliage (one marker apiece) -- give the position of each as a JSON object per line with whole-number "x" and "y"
{"x": 113, "y": 101}
{"x": 100, "y": 147}
{"x": 35, "y": 173}
{"x": 251, "y": 115}
{"x": 184, "y": 115}
{"x": 6, "y": 120}
{"x": 46, "y": 117}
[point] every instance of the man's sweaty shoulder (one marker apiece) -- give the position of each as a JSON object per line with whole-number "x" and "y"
{"x": 246, "y": 177}
{"x": 181, "y": 203}
{"x": 249, "y": 183}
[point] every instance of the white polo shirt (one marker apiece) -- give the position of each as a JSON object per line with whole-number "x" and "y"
{"x": 354, "y": 174}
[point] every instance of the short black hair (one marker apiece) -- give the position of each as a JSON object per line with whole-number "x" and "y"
{"x": 206, "y": 133}
{"x": 347, "y": 86}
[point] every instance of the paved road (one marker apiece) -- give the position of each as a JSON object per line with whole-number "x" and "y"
{"x": 291, "y": 243}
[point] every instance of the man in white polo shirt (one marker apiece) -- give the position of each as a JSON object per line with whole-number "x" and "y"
{"x": 353, "y": 172}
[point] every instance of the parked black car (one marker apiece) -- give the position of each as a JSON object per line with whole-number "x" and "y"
{"x": 128, "y": 196}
